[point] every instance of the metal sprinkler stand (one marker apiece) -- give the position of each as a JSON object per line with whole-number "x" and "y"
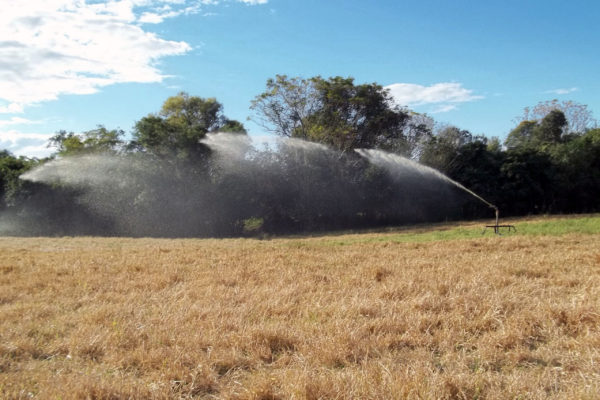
{"x": 497, "y": 226}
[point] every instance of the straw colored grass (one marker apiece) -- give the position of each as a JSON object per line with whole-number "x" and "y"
{"x": 489, "y": 318}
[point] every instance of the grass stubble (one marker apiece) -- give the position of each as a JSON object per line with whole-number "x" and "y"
{"x": 343, "y": 317}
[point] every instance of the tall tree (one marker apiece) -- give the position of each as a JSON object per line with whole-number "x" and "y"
{"x": 549, "y": 130}
{"x": 579, "y": 117}
{"x": 529, "y": 182}
{"x": 356, "y": 116}
{"x": 333, "y": 111}
{"x": 440, "y": 150}
{"x": 285, "y": 106}
{"x": 418, "y": 132}
{"x": 180, "y": 125}
{"x": 578, "y": 164}
{"x": 521, "y": 136}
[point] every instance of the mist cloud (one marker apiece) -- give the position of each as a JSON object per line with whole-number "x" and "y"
{"x": 289, "y": 186}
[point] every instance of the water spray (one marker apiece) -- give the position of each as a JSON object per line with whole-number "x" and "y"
{"x": 299, "y": 185}
{"x": 382, "y": 158}
{"x": 496, "y": 227}
{"x": 495, "y": 208}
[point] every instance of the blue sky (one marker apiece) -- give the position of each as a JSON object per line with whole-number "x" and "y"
{"x": 74, "y": 64}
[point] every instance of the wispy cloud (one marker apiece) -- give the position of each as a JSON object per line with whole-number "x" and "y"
{"x": 53, "y": 47}
{"x": 443, "y": 108}
{"x": 17, "y": 121}
{"x": 562, "y": 90}
{"x": 444, "y": 96}
{"x": 159, "y": 14}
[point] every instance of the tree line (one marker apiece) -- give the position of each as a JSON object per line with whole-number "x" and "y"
{"x": 549, "y": 163}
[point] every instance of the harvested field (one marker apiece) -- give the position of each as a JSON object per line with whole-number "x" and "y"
{"x": 334, "y": 317}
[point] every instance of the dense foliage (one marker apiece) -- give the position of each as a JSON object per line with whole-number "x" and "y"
{"x": 335, "y": 112}
{"x": 168, "y": 181}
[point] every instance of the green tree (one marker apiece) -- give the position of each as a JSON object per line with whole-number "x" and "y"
{"x": 476, "y": 165}
{"x": 286, "y": 105}
{"x": 529, "y": 182}
{"x": 334, "y": 111}
{"x": 578, "y": 163}
{"x": 550, "y": 130}
{"x": 494, "y": 145}
{"x": 418, "y": 132}
{"x": 180, "y": 125}
{"x": 232, "y": 126}
{"x": 579, "y": 118}
{"x": 357, "y": 116}
{"x": 99, "y": 140}
{"x": 521, "y": 136}
{"x": 440, "y": 150}
{"x": 11, "y": 168}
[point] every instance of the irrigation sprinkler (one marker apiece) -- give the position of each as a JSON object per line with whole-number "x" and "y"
{"x": 496, "y": 227}
{"x": 395, "y": 162}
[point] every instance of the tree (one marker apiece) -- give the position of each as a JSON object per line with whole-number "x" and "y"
{"x": 357, "y": 116}
{"x": 579, "y": 117}
{"x": 521, "y": 136}
{"x": 476, "y": 165}
{"x": 529, "y": 183}
{"x": 440, "y": 150}
{"x": 232, "y": 126}
{"x": 494, "y": 145}
{"x": 99, "y": 140}
{"x": 578, "y": 164}
{"x": 11, "y": 168}
{"x": 418, "y": 131}
{"x": 180, "y": 125}
{"x": 335, "y": 112}
{"x": 550, "y": 128}
{"x": 538, "y": 134}
{"x": 286, "y": 105}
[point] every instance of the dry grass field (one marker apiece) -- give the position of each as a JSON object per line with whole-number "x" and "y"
{"x": 366, "y": 316}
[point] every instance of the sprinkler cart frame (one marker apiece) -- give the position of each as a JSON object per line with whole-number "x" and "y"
{"x": 497, "y": 226}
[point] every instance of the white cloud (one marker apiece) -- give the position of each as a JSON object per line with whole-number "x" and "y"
{"x": 562, "y": 90}
{"x": 54, "y": 47}
{"x": 158, "y": 15}
{"x": 444, "y": 108}
{"x": 17, "y": 121}
{"x": 445, "y": 96}
{"x": 49, "y": 48}
{"x": 25, "y": 144}
{"x": 12, "y": 108}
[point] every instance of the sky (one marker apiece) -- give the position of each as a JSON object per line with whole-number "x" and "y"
{"x": 75, "y": 64}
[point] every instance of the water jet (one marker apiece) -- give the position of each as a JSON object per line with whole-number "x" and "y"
{"x": 399, "y": 164}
